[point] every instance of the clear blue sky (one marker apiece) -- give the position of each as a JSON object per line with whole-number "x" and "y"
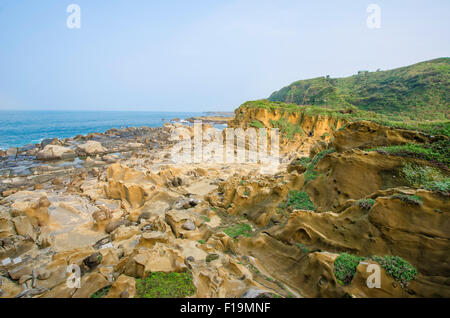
{"x": 195, "y": 55}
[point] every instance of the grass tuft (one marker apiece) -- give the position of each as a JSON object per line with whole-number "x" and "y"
{"x": 165, "y": 285}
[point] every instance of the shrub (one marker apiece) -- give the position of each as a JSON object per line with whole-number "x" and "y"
{"x": 300, "y": 200}
{"x": 165, "y": 285}
{"x": 410, "y": 199}
{"x": 366, "y": 204}
{"x": 397, "y": 268}
{"x": 242, "y": 229}
{"x": 345, "y": 267}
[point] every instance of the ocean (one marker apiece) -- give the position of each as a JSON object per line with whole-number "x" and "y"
{"x": 20, "y": 128}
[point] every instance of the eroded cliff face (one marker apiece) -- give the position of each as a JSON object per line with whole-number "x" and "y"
{"x": 300, "y": 130}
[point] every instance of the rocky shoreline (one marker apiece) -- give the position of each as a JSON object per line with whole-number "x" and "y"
{"x": 116, "y": 206}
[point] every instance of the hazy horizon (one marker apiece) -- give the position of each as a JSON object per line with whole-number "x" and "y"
{"x": 194, "y": 56}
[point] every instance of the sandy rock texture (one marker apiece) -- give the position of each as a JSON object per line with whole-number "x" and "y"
{"x": 115, "y": 207}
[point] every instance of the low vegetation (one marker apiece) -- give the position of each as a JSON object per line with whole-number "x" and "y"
{"x": 366, "y": 204}
{"x": 311, "y": 173}
{"x": 101, "y": 293}
{"x": 409, "y": 199}
{"x": 426, "y": 152}
{"x": 256, "y": 124}
{"x": 397, "y": 268}
{"x": 242, "y": 229}
{"x": 300, "y": 200}
{"x": 286, "y": 128}
{"x": 439, "y": 186}
{"x": 426, "y": 177}
{"x": 345, "y": 267}
{"x": 165, "y": 285}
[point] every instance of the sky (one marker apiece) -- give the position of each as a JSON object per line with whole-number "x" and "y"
{"x": 200, "y": 55}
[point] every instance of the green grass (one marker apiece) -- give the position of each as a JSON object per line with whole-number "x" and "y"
{"x": 311, "y": 173}
{"x": 425, "y": 152}
{"x": 242, "y": 229}
{"x": 286, "y": 128}
{"x": 165, "y": 285}
{"x": 366, "y": 204}
{"x": 300, "y": 200}
{"x": 397, "y": 268}
{"x": 101, "y": 292}
{"x": 345, "y": 267}
{"x": 409, "y": 199}
{"x": 256, "y": 124}
{"x": 206, "y": 219}
{"x": 419, "y": 91}
{"x": 201, "y": 241}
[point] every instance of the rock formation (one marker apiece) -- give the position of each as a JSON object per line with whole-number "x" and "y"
{"x": 122, "y": 212}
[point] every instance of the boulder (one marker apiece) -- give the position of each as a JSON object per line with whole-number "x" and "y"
{"x": 93, "y": 260}
{"x": 11, "y": 151}
{"x": 114, "y": 225}
{"x": 6, "y": 228}
{"x": 90, "y": 284}
{"x": 90, "y": 148}
{"x": 24, "y": 227}
{"x": 123, "y": 287}
{"x": 54, "y": 141}
{"x": 20, "y": 271}
{"x": 53, "y": 152}
{"x": 188, "y": 225}
{"x": 9, "y": 289}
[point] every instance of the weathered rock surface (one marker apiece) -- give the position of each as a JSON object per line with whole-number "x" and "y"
{"x": 120, "y": 216}
{"x": 52, "y": 152}
{"x": 90, "y": 148}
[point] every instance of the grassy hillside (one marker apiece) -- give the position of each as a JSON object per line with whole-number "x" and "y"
{"x": 417, "y": 92}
